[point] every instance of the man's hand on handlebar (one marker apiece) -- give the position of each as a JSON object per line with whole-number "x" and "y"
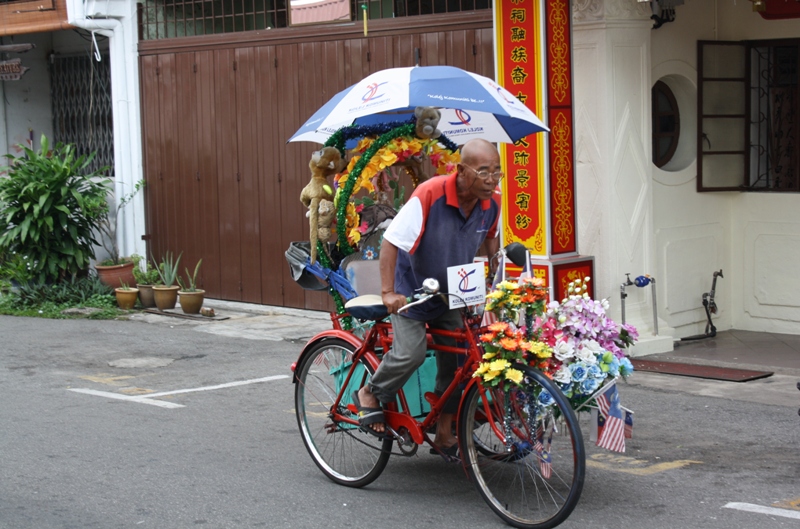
{"x": 393, "y": 301}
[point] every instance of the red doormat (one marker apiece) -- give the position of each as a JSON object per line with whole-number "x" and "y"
{"x": 700, "y": 371}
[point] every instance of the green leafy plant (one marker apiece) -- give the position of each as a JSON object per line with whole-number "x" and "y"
{"x": 48, "y": 210}
{"x": 70, "y": 293}
{"x": 168, "y": 269}
{"x": 191, "y": 285}
{"x": 143, "y": 271}
{"x": 16, "y": 268}
{"x": 108, "y": 225}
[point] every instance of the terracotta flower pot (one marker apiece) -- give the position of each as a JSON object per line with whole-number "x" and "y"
{"x": 146, "y": 297}
{"x": 191, "y": 302}
{"x": 114, "y": 275}
{"x": 126, "y": 299}
{"x": 165, "y": 297}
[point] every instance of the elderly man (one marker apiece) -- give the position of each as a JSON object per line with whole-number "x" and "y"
{"x": 443, "y": 224}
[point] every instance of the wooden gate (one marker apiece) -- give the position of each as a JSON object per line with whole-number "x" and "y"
{"x": 222, "y": 183}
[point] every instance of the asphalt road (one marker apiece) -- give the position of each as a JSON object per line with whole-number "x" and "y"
{"x": 230, "y": 456}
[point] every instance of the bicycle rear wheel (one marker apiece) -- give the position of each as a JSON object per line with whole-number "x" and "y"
{"x": 534, "y": 480}
{"x": 344, "y": 453}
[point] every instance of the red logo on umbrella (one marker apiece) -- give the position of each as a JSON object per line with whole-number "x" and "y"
{"x": 500, "y": 91}
{"x": 372, "y": 92}
{"x": 463, "y": 118}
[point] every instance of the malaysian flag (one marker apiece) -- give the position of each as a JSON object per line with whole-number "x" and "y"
{"x": 543, "y": 452}
{"x": 613, "y": 434}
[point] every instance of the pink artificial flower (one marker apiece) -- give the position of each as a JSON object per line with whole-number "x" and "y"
{"x": 364, "y": 227}
{"x": 359, "y": 209}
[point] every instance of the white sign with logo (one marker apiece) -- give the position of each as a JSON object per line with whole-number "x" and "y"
{"x": 468, "y": 282}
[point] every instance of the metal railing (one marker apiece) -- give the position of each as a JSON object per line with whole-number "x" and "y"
{"x": 160, "y": 19}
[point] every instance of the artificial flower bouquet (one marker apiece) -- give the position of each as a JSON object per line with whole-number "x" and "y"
{"x": 573, "y": 341}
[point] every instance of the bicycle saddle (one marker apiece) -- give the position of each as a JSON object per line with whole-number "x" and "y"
{"x": 367, "y": 307}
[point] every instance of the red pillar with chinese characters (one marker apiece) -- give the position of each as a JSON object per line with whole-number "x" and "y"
{"x": 533, "y": 62}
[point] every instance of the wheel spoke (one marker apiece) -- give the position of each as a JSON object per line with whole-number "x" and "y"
{"x": 339, "y": 448}
{"x": 514, "y": 483}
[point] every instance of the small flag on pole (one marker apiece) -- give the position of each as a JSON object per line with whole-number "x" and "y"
{"x": 613, "y": 434}
{"x": 628, "y": 424}
{"x": 543, "y": 452}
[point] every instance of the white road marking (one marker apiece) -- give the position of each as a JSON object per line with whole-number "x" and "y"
{"x": 764, "y": 510}
{"x": 148, "y": 399}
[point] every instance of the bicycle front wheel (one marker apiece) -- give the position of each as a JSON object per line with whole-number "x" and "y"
{"x": 526, "y": 459}
{"x": 340, "y": 449}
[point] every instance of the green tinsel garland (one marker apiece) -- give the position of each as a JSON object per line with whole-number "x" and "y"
{"x": 355, "y": 175}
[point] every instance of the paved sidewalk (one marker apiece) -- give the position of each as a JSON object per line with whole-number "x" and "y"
{"x": 779, "y": 353}
{"x": 251, "y": 321}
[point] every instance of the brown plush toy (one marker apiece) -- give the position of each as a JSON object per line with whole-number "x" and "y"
{"x": 323, "y": 163}
{"x": 327, "y": 213}
{"x": 427, "y": 120}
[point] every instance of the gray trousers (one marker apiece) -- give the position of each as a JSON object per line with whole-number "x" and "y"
{"x": 408, "y": 353}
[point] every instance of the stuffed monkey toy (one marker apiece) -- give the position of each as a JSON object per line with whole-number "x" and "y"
{"x": 323, "y": 163}
{"x": 427, "y": 120}
{"x": 327, "y": 214}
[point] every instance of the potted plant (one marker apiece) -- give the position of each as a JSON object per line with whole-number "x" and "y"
{"x": 126, "y": 296}
{"x": 191, "y": 297}
{"x": 116, "y": 269}
{"x": 166, "y": 291}
{"x": 146, "y": 276}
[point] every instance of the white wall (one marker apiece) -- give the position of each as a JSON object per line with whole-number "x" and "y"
{"x": 27, "y": 112}
{"x": 752, "y": 237}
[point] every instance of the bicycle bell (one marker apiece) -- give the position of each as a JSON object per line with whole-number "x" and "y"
{"x": 430, "y": 286}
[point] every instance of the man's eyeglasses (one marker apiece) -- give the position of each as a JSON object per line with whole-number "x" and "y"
{"x": 485, "y": 175}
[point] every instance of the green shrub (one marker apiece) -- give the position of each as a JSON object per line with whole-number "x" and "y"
{"x": 72, "y": 292}
{"x": 144, "y": 276}
{"x": 50, "y": 205}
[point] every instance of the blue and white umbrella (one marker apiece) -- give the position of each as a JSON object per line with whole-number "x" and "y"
{"x": 472, "y": 106}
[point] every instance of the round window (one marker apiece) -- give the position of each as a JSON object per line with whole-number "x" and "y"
{"x": 666, "y": 124}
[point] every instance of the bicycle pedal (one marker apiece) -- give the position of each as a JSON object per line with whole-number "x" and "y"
{"x": 432, "y": 398}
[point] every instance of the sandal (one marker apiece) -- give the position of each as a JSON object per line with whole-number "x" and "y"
{"x": 367, "y": 416}
{"x": 450, "y": 454}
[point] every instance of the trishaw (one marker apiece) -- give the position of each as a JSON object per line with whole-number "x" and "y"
{"x": 523, "y": 372}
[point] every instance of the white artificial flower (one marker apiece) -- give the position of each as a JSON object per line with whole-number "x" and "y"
{"x": 563, "y": 375}
{"x": 593, "y": 346}
{"x": 563, "y": 350}
{"x": 562, "y": 319}
{"x": 586, "y": 355}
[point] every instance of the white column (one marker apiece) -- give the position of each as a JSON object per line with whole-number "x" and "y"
{"x": 611, "y": 54}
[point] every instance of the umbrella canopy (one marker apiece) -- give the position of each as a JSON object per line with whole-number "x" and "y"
{"x": 472, "y": 106}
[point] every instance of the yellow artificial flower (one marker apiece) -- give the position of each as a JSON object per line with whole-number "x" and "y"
{"x": 354, "y": 236}
{"x": 363, "y": 144}
{"x": 481, "y": 369}
{"x": 490, "y": 375}
{"x": 487, "y": 356}
{"x": 499, "y": 364}
{"x": 514, "y": 375}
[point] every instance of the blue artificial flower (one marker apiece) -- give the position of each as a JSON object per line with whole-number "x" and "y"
{"x": 545, "y": 398}
{"x": 596, "y": 372}
{"x": 613, "y": 367}
{"x": 579, "y": 372}
{"x": 625, "y": 367}
{"x": 589, "y": 386}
